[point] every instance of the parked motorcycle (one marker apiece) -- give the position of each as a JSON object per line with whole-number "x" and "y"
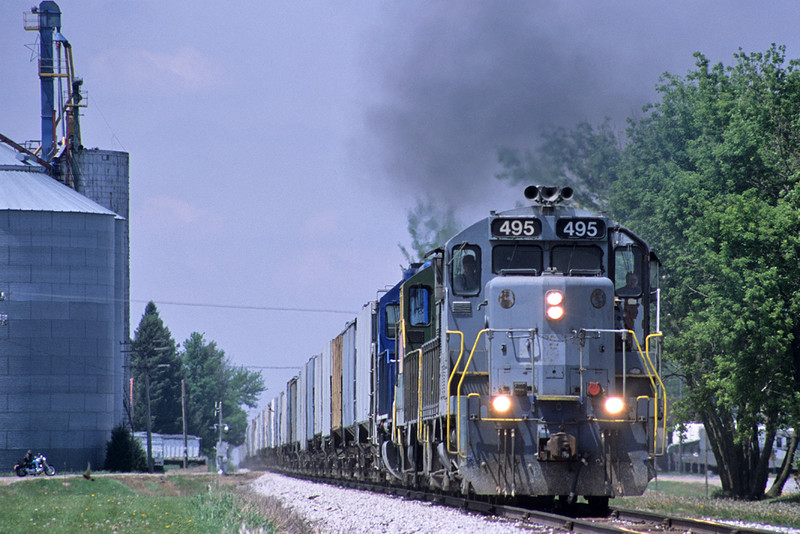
{"x": 37, "y": 466}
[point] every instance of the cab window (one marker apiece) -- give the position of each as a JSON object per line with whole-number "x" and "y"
{"x": 628, "y": 271}
{"x": 418, "y": 306}
{"x": 577, "y": 259}
{"x": 526, "y": 258}
{"x": 466, "y": 270}
{"x": 391, "y": 317}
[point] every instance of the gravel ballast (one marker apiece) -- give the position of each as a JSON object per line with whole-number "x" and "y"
{"x": 333, "y": 509}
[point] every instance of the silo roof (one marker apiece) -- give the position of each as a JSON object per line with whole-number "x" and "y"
{"x": 24, "y": 186}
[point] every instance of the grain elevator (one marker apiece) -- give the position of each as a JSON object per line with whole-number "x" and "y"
{"x": 64, "y": 275}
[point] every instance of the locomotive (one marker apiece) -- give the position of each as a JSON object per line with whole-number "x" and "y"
{"x": 521, "y": 359}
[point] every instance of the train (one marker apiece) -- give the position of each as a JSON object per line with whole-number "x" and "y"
{"x": 521, "y": 359}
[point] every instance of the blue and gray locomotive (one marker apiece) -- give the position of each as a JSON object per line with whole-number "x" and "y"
{"x": 521, "y": 359}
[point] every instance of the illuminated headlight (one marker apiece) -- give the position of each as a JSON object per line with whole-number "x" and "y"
{"x": 554, "y": 300}
{"x": 501, "y": 403}
{"x": 614, "y": 405}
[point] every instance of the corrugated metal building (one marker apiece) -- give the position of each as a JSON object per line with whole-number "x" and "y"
{"x": 64, "y": 275}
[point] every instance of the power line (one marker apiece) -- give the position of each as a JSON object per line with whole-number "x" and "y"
{"x": 270, "y": 367}
{"x": 96, "y": 300}
{"x": 244, "y": 307}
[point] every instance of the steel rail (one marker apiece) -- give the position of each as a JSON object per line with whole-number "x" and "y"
{"x": 645, "y": 522}
{"x": 699, "y": 526}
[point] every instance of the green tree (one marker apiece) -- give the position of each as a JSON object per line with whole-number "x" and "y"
{"x": 154, "y": 356}
{"x": 429, "y": 227}
{"x": 211, "y": 378}
{"x": 124, "y": 454}
{"x": 711, "y": 176}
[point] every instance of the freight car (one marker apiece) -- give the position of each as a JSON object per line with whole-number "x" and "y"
{"x": 521, "y": 359}
{"x": 168, "y": 449}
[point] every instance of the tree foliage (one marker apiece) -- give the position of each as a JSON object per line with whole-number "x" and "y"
{"x": 711, "y": 177}
{"x": 586, "y": 157}
{"x": 211, "y": 378}
{"x": 124, "y": 454}
{"x": 429, "y": 227}
{"x": 154, "y": 353}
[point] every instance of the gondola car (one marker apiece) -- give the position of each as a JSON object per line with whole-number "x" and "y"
{"x": 521, "y": 359}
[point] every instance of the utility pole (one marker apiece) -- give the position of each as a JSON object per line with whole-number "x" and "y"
{"x": 222, "y": 451}
{"x": 147, "y": 420}
{"x": 183, "y": 411}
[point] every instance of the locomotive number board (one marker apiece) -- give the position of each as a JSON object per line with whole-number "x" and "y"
{"x": 581, "y": 228}
{"x": 516, "y": 227}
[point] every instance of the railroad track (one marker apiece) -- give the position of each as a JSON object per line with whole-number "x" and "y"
{"x": 618, "y": 521}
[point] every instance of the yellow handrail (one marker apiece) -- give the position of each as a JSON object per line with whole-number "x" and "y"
{"x": 664, "y": 396}
{"x": 651, "y": 372}
{"x": 450, "y": 380}
{"x": 419, "y": 395}
{"x": 458, "y": 391}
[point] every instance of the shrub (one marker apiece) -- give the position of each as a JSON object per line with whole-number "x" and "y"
{"x": 124, "y": 453}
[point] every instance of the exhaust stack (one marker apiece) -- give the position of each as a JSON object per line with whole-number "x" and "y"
{"x": 548, "y": 194}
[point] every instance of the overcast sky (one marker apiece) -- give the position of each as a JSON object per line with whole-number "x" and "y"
{"x": 275, "y": 146}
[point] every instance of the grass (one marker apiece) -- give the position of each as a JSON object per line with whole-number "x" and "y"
{"x": 197, "y": 503}
{"x": 688, "y": 499}
{"x": 206, "y": 503}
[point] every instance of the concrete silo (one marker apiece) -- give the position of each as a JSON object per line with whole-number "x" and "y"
{"x": 60, "y": 359}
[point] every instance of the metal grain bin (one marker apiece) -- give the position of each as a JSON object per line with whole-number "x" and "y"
{"x": 60, "y": 372}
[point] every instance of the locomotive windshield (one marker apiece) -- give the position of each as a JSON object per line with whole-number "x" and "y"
{"x": 577, "y": 259}
{"x": 517, "y": 258}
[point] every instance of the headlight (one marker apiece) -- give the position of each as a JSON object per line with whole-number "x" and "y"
{"x": 501, "y": 403}
{"x": 614, "y": 405}
{"x": 554, "y": 300}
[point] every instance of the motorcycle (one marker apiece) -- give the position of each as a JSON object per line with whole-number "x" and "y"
{"x": 37, "y": 466}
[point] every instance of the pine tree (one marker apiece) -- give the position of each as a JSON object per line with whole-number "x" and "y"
{"x": 154, "y": 356}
